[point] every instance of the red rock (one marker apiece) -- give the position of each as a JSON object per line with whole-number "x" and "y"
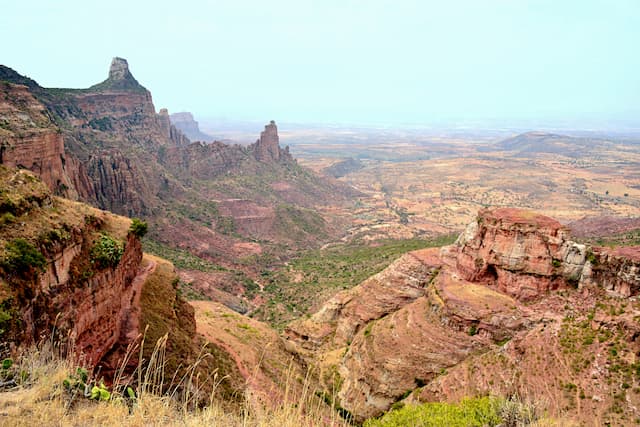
{"x": 394, "y": 336}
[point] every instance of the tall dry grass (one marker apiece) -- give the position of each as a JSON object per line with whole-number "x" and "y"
{"x": 40, "y": 398}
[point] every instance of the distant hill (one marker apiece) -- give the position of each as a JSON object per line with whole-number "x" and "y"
{"x": 343, "y": 167}
{"x": 536, "y": 142}
{"x": 185, "y": 122}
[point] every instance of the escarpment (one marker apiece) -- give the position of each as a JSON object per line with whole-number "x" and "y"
{"x": 432, "y": 311}
{"x": 67, "y": 269}
{"x": 188, "y": 126}
{"x": 105, "y": 145}
{"x": 76, "y": 276}
{"x": 29, "y": 139}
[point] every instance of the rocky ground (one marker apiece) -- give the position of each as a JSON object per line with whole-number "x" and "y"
{"x": 513, "y": 307}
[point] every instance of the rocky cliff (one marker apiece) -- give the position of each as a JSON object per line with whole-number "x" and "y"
{"x": 108, "y": 147}
{"x": 53, "y": 276}
{"x": 189, "y": 126}
{"x": 433, "y": 310}
{"x": 74, "y": 271}
{"x": 267, "y": 147}
{"x": 29, "y": 139}
{"x": 76, "y": 276}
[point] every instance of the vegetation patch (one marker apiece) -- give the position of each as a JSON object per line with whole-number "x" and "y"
{"x": 138, "y": 228}
{"x": 318, "y": 274}
{"x": 106, "y": 252}
{"x": 22, "y": 259}
{"x": 179, "y": 257}
{"x": 484, "y": 411}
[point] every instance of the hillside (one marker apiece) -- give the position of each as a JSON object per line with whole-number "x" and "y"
{"x": 532, "y": 143}
{"x": 513, "y": 308}
{"x": 241, "y": 207}
{"x": 75, "y": 278}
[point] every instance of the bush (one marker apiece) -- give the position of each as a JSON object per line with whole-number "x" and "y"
{"x": 138, "y": 227}
{"x": 106, "y": 252}
{"x": 23, "y": 258}
{"x": 484, "y": 411}
{"x": 7, "y": 218}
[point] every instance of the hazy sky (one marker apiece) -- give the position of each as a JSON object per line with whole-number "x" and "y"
{"x": 343, "y": 60}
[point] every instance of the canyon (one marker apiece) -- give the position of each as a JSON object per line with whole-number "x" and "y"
{"x": 520, "y": 305}
{"x": 224, "y": 203}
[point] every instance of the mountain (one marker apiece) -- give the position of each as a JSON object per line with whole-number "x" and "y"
{"x": 77, "y": 277}
{"x": 532, "y": 143}
{"x": 187, "y": 125}
{"x": 343, "y": 167}
{"x": 106, "y": 146}
{"x": 514, "y": 307}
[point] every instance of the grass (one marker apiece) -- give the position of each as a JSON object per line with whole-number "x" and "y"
{"x": 318, "y": 274}
{"x": 629, "y": 238}
{"x": 179, "y": 257}
{"x": 484, "y": 411}
{"x": 470, "y": 412}
{"x": 43, "y": 392}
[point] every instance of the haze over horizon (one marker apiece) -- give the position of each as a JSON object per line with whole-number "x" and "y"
{"x": 346, "y": 61}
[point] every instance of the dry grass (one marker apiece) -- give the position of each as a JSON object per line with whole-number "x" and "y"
{"x": 40, "y": 398}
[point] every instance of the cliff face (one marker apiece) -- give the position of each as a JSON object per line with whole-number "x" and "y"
{"x": 524, "y": 253}
{"x": 188, "y": 126}
{"x": 106, "y": 146}
{"x": 267, "y": 147}
{"x": 87, "y": 303}
{"x": 30, "y": 140}
{"x": 126, "y": 158}
{"x": 432, "y": 310}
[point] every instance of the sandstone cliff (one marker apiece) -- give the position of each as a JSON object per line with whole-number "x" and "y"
{"x": 86, "y": 302}
{"x": 113, "y": 151}
{"x": 30, "y": 140}
{"x": 188, "y": 126}
{"x": 432, "y": 311}
{"x": 73, "y": 270}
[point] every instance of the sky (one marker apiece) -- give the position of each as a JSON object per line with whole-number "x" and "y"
{"x": 360, "y": 61}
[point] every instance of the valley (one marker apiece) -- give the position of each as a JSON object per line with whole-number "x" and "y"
{"x": 349, "y": 271}
{"x": 438, "y": 182}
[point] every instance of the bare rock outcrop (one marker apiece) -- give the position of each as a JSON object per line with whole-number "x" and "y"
{"x": 523, "y": 253}
{"x": 28, "y": 139}
{"x": 433, "y": 309}
{"x": 85, "y": 303}
{"x": 185, "y": 122}
{"x": 267, "y": 147}
{"x": 340, "y": 318}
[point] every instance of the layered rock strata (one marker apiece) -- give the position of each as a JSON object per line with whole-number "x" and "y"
{"x": 432, "y": 309}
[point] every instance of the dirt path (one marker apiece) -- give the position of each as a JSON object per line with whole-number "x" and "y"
{"x": 134, "y": 309}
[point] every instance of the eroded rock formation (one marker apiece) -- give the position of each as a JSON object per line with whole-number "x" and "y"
{"x": 54, "y": 280}
{"x": 28, "y": 139}
{"x": 189, "y": 126}
{"x": 267, "y": 147}
{"x": 433, "y": 309}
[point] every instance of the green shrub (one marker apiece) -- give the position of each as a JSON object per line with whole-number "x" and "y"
{"x": 7, "y": 218}
{"x": 138, "y": 227}
{"x": 6, "y": 364}
{"x": 473, "y": 330}
{"x": 484, "y": 411}
{"x": 100, "y": 392}
{"x": 22, "y": 258}
{"x": 5, "y": 321}
{"x": 106, "y": 252}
